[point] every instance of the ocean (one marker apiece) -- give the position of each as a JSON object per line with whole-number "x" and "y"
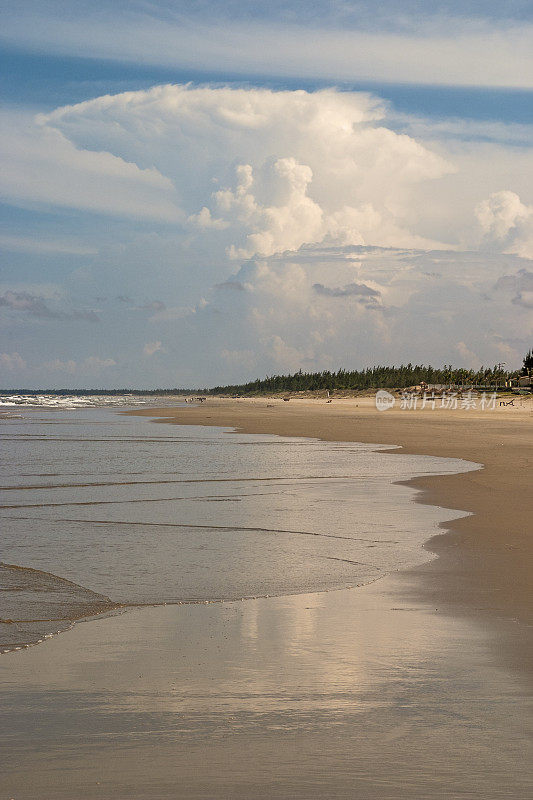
{"x": 102, "y": 512}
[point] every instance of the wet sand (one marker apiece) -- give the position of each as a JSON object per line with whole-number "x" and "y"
{"x": 485, "y": 561}
{"x": 345, "y": 694}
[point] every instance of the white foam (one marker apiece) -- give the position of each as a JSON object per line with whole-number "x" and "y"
{"x": 68, "y": 402}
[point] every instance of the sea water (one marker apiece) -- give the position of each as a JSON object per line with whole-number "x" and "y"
{"x": 100, "y": 510}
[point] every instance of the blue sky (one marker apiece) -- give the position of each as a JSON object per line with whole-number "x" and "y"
{"x": 179, "y": 177}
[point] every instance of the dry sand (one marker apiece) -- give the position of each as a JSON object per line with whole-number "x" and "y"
{"x": 485, "y": 560}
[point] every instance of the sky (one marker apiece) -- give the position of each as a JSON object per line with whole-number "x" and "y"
{"x": 197, "y": 193}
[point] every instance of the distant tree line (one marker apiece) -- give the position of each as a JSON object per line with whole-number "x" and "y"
{"x": 371, "y": 378}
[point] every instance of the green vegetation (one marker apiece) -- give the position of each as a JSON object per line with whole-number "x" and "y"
{"x": 528, "y": 363}
{"x": 370, "y": 378}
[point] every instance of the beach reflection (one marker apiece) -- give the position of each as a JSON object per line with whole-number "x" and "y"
{"x": 325, "y": 691}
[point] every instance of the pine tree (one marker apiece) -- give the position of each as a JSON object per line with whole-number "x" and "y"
{"x": 528, "y": 363}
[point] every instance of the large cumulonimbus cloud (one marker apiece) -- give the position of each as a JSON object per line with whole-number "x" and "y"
{"x": 251, "y": 172}
{"x": 258, "y": 170}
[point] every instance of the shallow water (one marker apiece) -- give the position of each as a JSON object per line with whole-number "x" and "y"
{"x": 108, "y": 509}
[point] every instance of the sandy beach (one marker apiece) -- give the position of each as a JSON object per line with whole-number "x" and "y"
{"x": 485, "y": 560}
{"x": 416, "y": 686}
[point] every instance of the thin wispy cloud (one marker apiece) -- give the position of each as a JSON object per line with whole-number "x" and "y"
{"x": 42, "y": 166}
{"x": 45, "y": 246}
{"x": 12, "y": 362}
{"x": 434, "y": 49}
{"x": 152, "y": 347}
{"x": 91, "y": 364}
{"x": 350, "y": 290}
{"x": 36, "y": 306}
{"x": 151, "y": 305}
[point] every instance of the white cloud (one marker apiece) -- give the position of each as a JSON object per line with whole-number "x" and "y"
{"x": 241, "y": 359}
{"x": 501, "y": 212}
{"x": 204, "y": 220}
{"x": 378, "y": 306}
{"x": 284, "y": 356}
{"x": 468, "y": 358}
{"x": 296, "y": 221}
{"x": 41, "y": 165}
{"x": 12, "y": 361}
{"x": 95, "y": 363}
{"x": 56, "y": 365}
{"x": 152, "y": 347}
{"x": 173, "y": 313}
{"x": 507, "y": 221}
{"x": 517, "y": 287}
{"x": 71, "y": 367}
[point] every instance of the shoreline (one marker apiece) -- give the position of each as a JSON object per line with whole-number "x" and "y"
{"x": 484, "y": 561}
